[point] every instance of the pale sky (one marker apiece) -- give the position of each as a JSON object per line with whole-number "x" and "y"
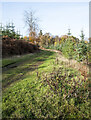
{"x": 55, "y": 17}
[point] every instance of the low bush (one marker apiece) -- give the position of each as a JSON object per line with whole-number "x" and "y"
{"x": 70, "y": 94}
{"x": 16, "y": 47}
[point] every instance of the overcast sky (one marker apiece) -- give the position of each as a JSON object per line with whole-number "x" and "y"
{"x": 55, "y": 17}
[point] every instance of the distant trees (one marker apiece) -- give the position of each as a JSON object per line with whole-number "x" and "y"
{"x": 32, "y": 22}
{"x": 70, "y": 46}
{"x": 9, "y": 31}
{"x": 45, "y": 40}
{"x": 74, "y": 48}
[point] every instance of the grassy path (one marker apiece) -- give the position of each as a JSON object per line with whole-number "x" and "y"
{"x": 27, "y": 95}
{"x": 15, "y": 91}
{"x": 19, "y": 67}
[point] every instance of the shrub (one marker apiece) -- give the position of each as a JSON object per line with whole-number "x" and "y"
{"x": 81, "y": 51}
{"x": 75, "y": 50}
{"x": 16, "y": 47}
{"x": 68, "y": 48}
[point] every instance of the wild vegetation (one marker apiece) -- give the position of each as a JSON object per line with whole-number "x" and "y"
{"x": 48, "y": 79}
{"x": 13, "y": 44}
{"x": 70, "y": 46}
{"x": 45, "y": 87}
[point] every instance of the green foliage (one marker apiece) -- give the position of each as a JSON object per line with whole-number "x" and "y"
{"x": 57, "y": 47}
{"x": 69, "y": 33}
{"x": 69, "y": 89}
{"x": 82, "y": 35}
{"x": 9, "y": 31}
{"x": 81, "y": 51}
{"x": 68, "y": 48}
{"x": 75, "y": 50}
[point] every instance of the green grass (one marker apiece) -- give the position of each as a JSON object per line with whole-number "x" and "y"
{"x": 17, "y": 90}
{"x": 7, "y": 61}
{"x": 23, "y": 58}
{"x": 31, "y": 96}
{"x": 28, "y": 64}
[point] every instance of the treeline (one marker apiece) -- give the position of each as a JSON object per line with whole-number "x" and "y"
{"x": 9, "y": 31}
{"x": 13, "y": 43}
{"x": 70, "y": 46}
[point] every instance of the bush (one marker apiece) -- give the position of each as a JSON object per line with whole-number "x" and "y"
{"x": 75, "y": 50}
{"x": 68, "y": 48}
{"x": 16, "y": 47}
{"x": 81, "y": 51}
{"x": 68, "y": 90}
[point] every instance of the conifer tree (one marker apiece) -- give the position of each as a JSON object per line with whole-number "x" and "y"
{"x": 82, "y": 35}
{"x": 69, "y": 33}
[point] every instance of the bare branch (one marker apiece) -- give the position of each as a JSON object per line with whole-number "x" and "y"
{"x": 31, "y": 21}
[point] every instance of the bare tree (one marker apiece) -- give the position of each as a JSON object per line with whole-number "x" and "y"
{"x": 32, "y": 22}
